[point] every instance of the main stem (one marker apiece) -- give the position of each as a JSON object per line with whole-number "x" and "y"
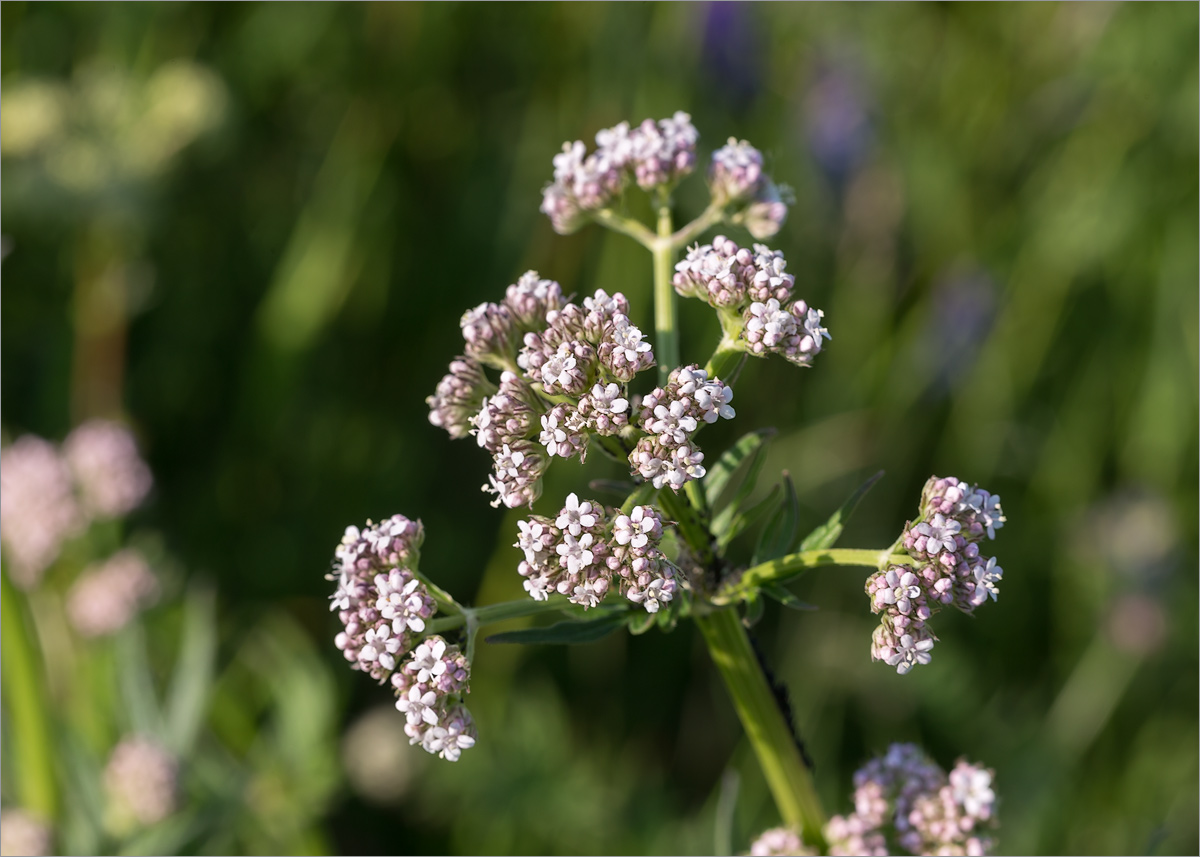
{"x": 768, "y": 730}
{"x": 666, "y": 325}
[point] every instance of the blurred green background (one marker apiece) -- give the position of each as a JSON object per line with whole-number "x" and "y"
{"x": 252, "y": 228}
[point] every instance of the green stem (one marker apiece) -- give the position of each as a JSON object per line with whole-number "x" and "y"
{"x": 25, "y": 700}
{"x": 724, "y": 360}
{"x": 768, "y": 731}
{"x": 626, "y": 226}
{"x": 666, "y": 325}
{"x": 711, "y": 216}
{"x": 793, "y": 565}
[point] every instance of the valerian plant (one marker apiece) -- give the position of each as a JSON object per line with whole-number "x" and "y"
{"x": 544, "y": 376}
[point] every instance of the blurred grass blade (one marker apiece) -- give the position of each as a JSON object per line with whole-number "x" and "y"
{"x": 721, "y": 474}
{"x": 563, "y": 633}
{"x": 25, "y": 701}
{"x": 136, "y": 682}
{"x": 191, "y": 683}
{"x": 828, "y": 533}
{"x": 81, "y": 830}
{"x": 780, "y": 532}
{"x": 726, "y": 807}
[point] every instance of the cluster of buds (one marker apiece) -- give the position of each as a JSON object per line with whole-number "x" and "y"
{"x": 565, "y": 370}
{"x": 670, "y": 416}
{"x": 905, "y": 800}
{"x": 48, "y": 495}
{"x": 736, "y": 178}
{"x": 383, "y": 607}
{"x": 587, "y": 548}
{"x": 654, "y": 154}
{"x": 948, "y": 570}
{"x": 753, "y": 288}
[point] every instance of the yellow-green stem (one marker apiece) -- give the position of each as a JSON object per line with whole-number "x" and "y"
{"x": 25, "y": 700}
{"x": 769, "y": 732}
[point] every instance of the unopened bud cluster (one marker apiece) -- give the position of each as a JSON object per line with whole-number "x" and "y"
{"x": 753, "y": 286}
{"x": 48, "y": 494}
{"x": 736, "y": 178}
{"x": 905, "y": 801}
{"x": 565, "y": 371}
{"x": 670, "y": 416}
{"x": 653, "y": 154}
{"x": 383, "y": 608}
{"x": 950, "y": 571}
{"x": 587, "y": 549}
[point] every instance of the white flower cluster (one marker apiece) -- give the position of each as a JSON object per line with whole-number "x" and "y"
{"x": 950, "y": 570}
{"x": 670, "y": 416}
{"x": 583, "y": 551}
{"x": 383, "y": 608}
{"x": 654, "y": 154}
{"x": 906, "y": 798}
{"x": 547, "y": 350}
{"x": 428, "y": 687}
{"x": 755, "y": 285}
{"x": 48, "y": 495}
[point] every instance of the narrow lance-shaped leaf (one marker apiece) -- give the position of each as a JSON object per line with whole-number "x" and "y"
{"x": 779, "y": 534}
{"x": 749, "y": 517}
{"x": 725, "y": 519}
{"x": 826, "y": 535}
{"x": 720, "y": 474}
{"x": 564, "y": 633}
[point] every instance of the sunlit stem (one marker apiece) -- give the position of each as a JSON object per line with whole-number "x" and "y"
{"x": 711, "y": 216}
{"x": 788, "y": 568}
{"x": 766, "y": 728}
{"x": 25, "y": 702}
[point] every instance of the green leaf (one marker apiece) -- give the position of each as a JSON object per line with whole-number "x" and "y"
{"x": 785, "y": 597}
{"x": 614, "y": 487}
{"x": 826, "y": 535}
{"x": 563, "y": 633}
{"x": 721, "y": 473}
{"x": 780, "y": 532}
{"x": 747, "y": 518}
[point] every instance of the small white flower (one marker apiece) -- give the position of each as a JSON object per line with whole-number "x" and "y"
{"x": 972, "y": 789}
{"x": 986, "y": 577}
{"x": 418, "y": 707}
{"x": 910, "y": 652}
{"x": 427, "y": 662}
{"x": 575, "y": 553}
{"x": 575, "y": 516}
{"x": 380, "y": 646}
{"x": 939, "y": 534}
